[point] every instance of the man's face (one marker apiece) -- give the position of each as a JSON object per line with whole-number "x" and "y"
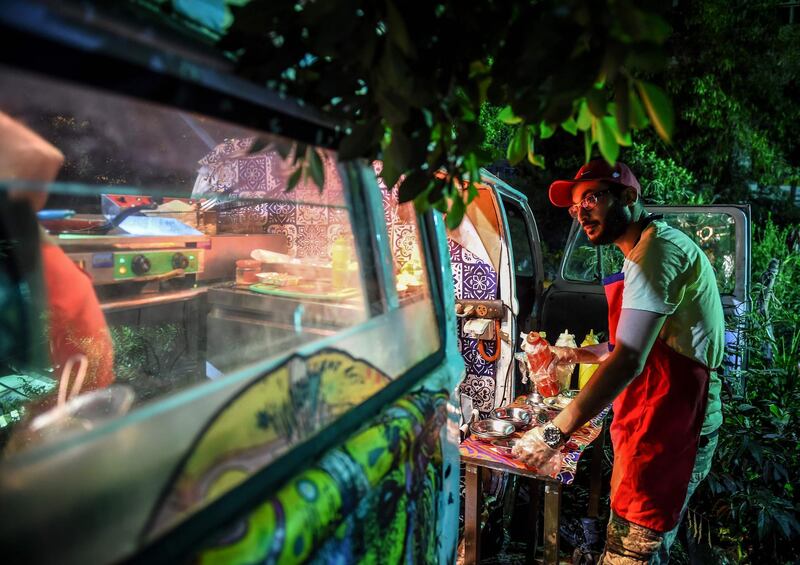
{"x": 608, "y": 220}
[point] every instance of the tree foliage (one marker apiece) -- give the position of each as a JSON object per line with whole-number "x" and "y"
{"x": 735, "y": 77}
{"x": 408, "y": 81}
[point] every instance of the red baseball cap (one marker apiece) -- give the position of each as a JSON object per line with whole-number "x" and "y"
{"x": 595, "y": 170}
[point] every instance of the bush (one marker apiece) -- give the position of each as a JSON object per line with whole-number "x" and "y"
{"x": 749, "y": 499}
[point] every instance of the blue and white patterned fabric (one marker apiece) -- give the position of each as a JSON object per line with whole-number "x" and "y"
{"x": 475, "y": 279}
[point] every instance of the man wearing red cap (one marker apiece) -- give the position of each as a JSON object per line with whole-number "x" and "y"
{"x": 666, "y": 338}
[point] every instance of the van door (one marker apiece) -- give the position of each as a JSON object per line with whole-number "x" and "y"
{"x": 525, "y": 258}
{"x": 576, "y": 300}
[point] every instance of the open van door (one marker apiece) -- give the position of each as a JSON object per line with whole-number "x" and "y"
{"x": 525, "y": 271}
{"x": 576, "y": 299}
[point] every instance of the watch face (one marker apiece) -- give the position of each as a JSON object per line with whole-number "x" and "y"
{"x": 551, "y": 435}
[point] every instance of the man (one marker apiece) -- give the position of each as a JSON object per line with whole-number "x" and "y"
{"x": 76, "y": 325}
{"x": 666, "y": 337}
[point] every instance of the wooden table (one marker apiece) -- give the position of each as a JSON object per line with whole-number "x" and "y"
{"x": 479, "y": 455}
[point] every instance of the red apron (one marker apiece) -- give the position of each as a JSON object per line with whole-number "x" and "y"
{"x": 656, "y": 429}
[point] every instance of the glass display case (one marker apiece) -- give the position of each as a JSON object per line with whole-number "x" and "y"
{"x": 156, "y": 209}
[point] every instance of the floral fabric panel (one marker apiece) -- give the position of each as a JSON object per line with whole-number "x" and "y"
{"x": 475, "y": 279}
{"x": 310, "y": 219}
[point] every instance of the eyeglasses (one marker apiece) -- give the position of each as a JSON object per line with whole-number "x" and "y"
{"x": 588, "y": 202}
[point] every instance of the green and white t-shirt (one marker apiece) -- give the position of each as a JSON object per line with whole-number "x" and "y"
{"x": 667, "y": 273}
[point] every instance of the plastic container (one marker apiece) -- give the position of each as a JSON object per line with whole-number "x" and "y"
{"x": 585, "y": 371}
{"x": 246, "y": 270}
{"x": 564, "y": 372}
{"x": 340, "y": 260}
{"x": 542, "y": 371}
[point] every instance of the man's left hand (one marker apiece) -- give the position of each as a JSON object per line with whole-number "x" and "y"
{"x": 534, "y": 452}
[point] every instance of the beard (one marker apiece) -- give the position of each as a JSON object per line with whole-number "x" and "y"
{"x": 612, "y": 227}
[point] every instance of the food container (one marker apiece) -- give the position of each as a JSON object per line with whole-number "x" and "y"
{"x": 561, "y": 401}
{"x": 246, "y": 270}
{"x": 490, "y": 429}
{"x": 518, "y": 417}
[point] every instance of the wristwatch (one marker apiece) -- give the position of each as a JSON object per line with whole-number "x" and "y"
{"x": 553, "y": 436}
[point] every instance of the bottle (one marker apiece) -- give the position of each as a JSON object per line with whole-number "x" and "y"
{"x": 539, "y": 357}
{"x": 585, "y": 371}
{"x": 340, "y": 260}
{"x": 564, "y": 372}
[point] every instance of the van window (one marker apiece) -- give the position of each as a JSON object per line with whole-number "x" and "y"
{"x": 179, "y": 251}
{"x": 714, "y": 233}
{"x": 520, "y": 239}
{"x": 580, "y": 263}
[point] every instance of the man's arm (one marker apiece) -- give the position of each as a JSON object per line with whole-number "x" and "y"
{"x": 588, "y": 354}
{"x": 636, "y": 333}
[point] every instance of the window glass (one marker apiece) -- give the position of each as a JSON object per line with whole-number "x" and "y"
{"x": 520, "y": 242}
{"x": 581, "y": 262}
{"x": 173, "y": 254}
{"x": 714, "y": 233}
{"x": 401, "y": 223}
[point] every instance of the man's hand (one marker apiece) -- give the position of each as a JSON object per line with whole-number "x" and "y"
{"x": 564, "y": 355}
{"x": 533, "y": 451}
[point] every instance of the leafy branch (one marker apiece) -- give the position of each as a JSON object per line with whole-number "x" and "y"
{"x": 408, "y": 82}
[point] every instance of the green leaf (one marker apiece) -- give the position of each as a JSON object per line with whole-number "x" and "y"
{"x": 412, "y": 186}
{"x": 361, "y": 140}
{"x": 587, "y": 145}
{"x": 507, "y": 116}
{"x": 622, "y": 105}
{"x": 570, "y": 126}
{"x": 762, "y": 523}
{"x": 518, "y": 146}
{"x": 389, "y": 173}
{"x": 546, "y": 130}
{"x": 638, "y": 118}
{"x": 299, "y": 152}
{"x": 537, "y": 160}
{"x": 658, "y": 109}
{"x": 596, "y": 100}
{"x": 607, "y": 139}
{"x": 399, "y": 151}
{"x": 259, "y": 143}
{"x": 456, "y": 212}
{"x": 294, "y": 178}
{"x": 584, "y": 117}
{"x": 315, "y": 167}
{"x": 397, "y": 30}
{"x": 531, "y": 136}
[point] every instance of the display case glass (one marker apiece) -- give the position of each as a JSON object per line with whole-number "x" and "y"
{"x": 176, "y": 251}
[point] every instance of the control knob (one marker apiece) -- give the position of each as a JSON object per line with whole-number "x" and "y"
{"x": 140, "y": 265}
{"x": 180, "y": 261}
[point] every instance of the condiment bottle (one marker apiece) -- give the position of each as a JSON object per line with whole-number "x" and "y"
{"x": 564, "y": 372}
{"x": 340, "y": 259}
{"x": 585, "y": 371}
{"x": 540, "y": 358}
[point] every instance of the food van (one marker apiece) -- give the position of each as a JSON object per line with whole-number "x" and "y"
{"x": 211, "y": 414}
{"x": 284, "y": 372}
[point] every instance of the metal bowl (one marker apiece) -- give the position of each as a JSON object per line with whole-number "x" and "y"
{"x": 561, "y": 400}
{"x": 519, "y": 417}
{"x": 490, "y": 429}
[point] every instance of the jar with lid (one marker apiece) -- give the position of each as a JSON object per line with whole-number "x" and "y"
{"x": 246, "y": 270}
